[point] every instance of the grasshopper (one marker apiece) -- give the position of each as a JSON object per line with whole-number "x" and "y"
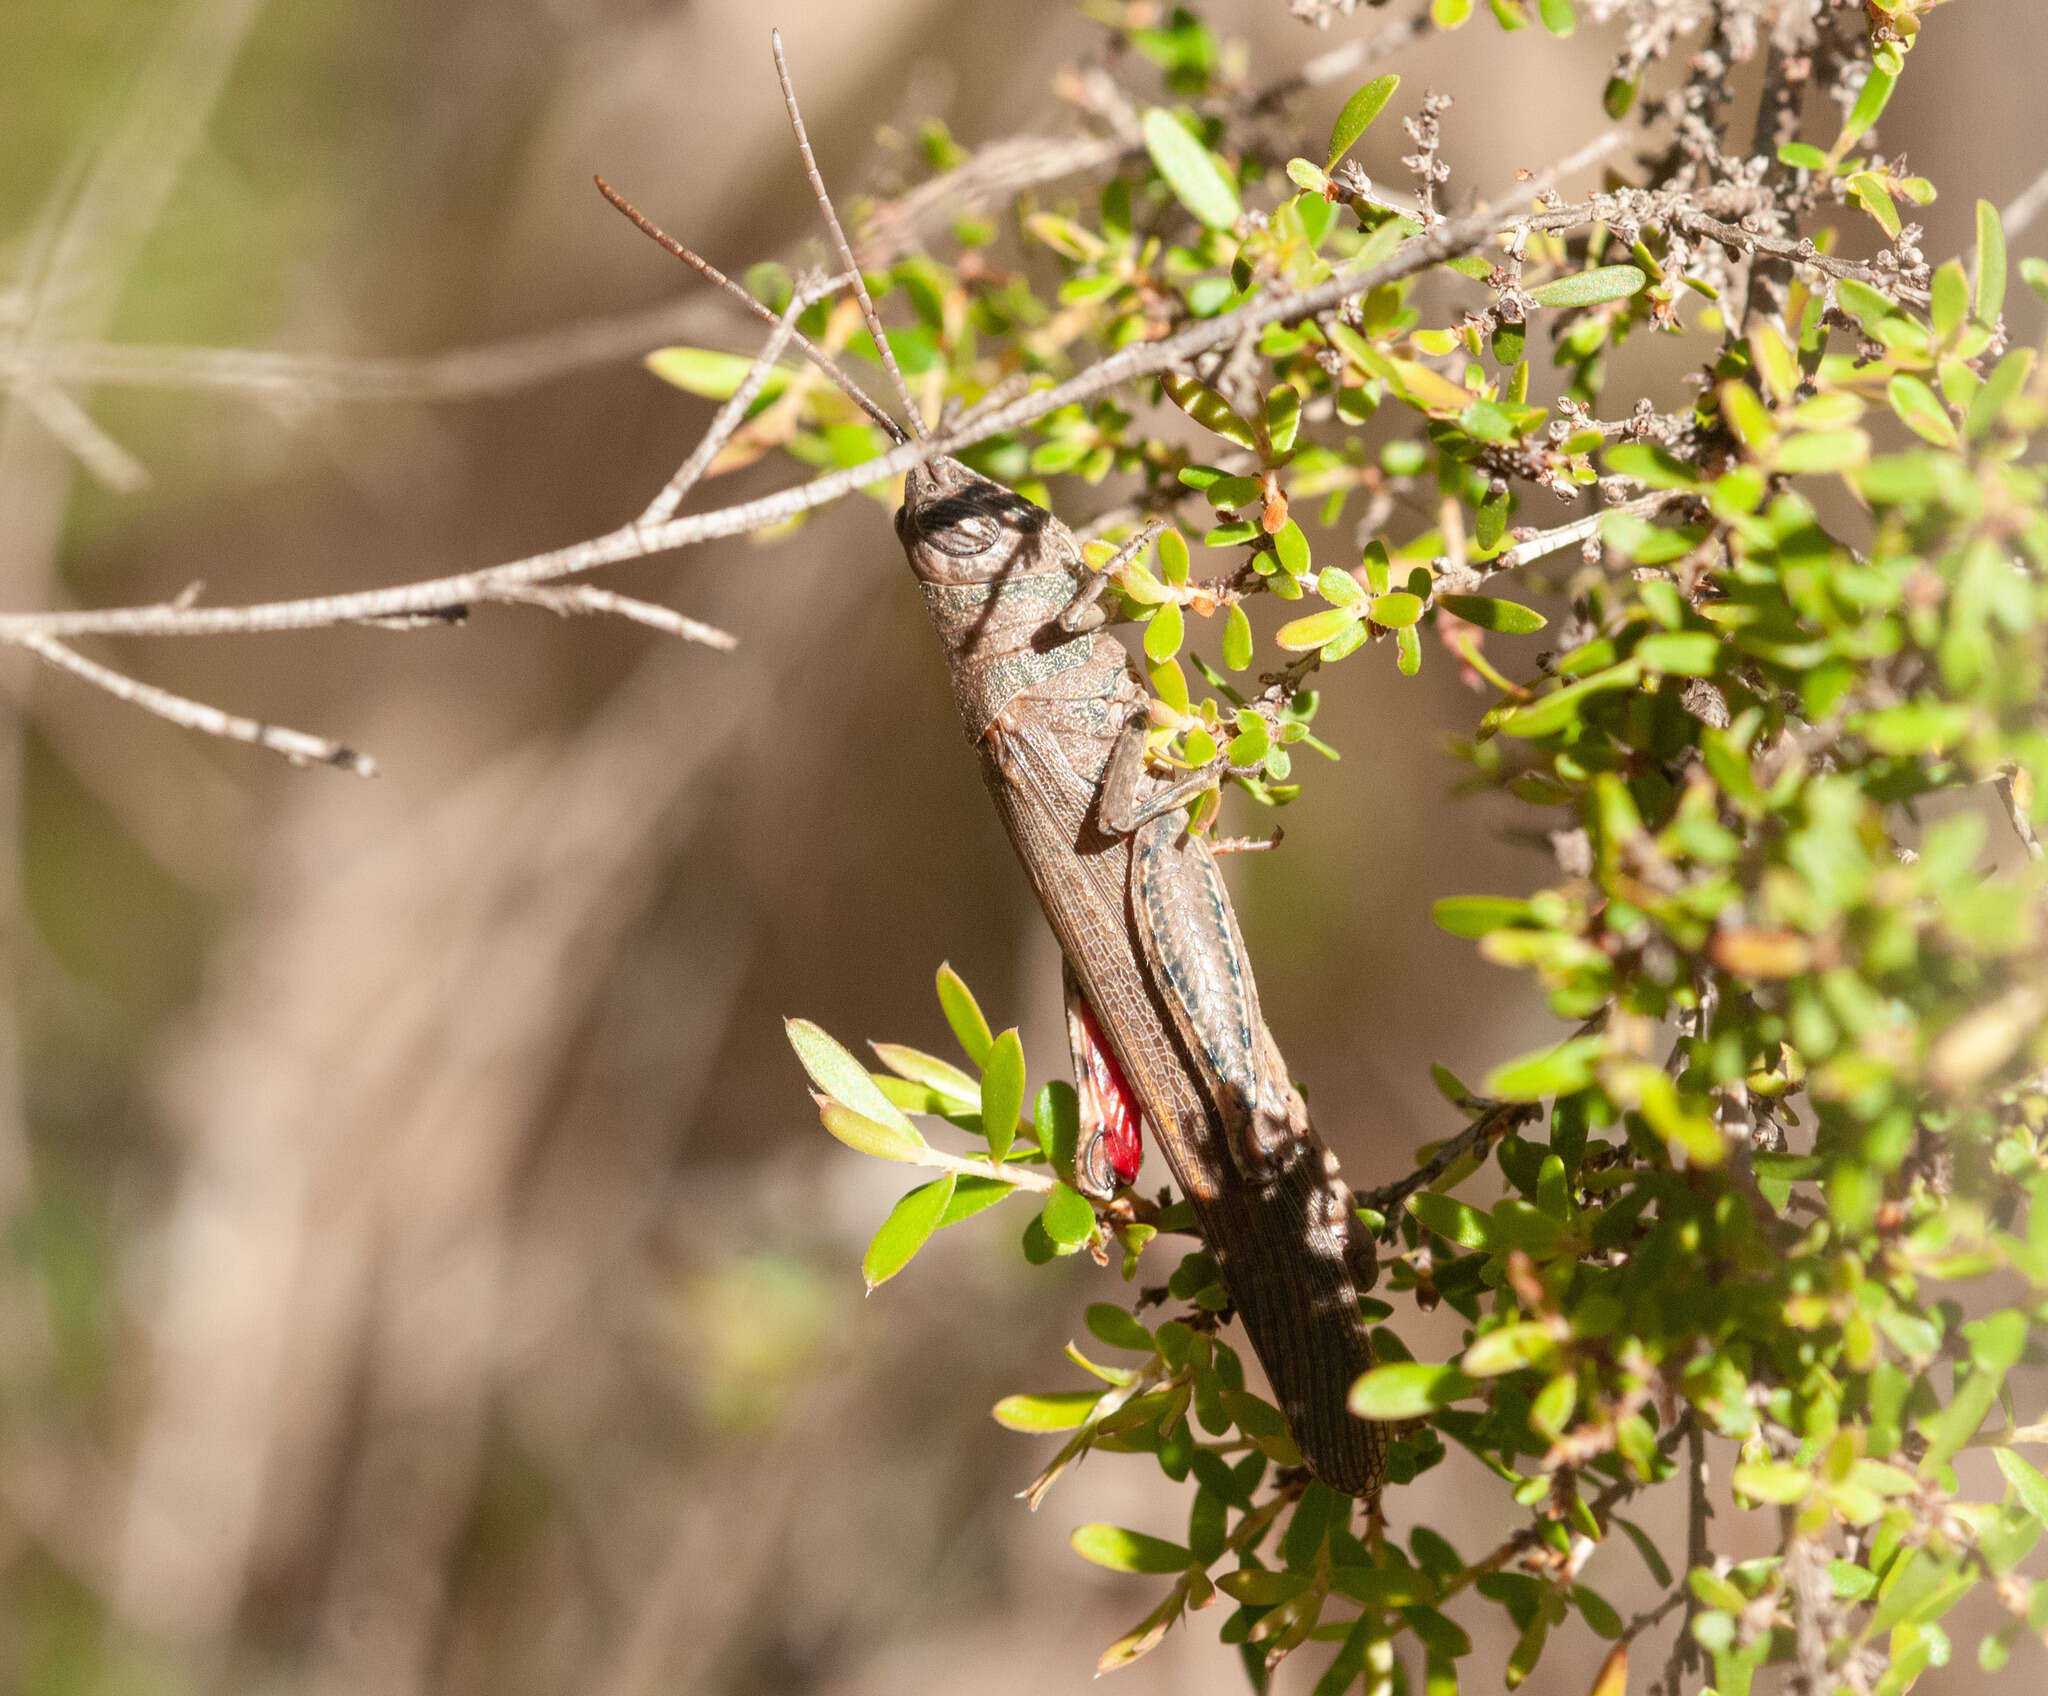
{"x": 1163, "y": 1012}
{"x": 1156, "y": 967}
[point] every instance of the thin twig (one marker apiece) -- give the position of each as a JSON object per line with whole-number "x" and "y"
{"x": 470, "y": 373}
{"x": 1547, "y": 542}
{"x": 584, "y": 598}
{"x": 295, "y": 745}
{"x": 1341, "y": 62}
{"x": 636, "y": 541}
{"x": 2014, "y": 788}
{"x": 105, "y": 460}
{"x": 1498, "y": 1119}
{"x": 2025, "y": 207}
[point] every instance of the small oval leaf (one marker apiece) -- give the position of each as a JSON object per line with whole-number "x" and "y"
{"x": 1196, "y": 177}
{"x": 836, "y": 1072}
{"x": 907, "y": 1229}
{"x": 1002, "y": 1093}
{"x": 1508, "y": 618}
{"x": 1407, "y": 1389}
{"x": 1592, "y": 288}
{"x": 1128, "y": 1551}
{"x": 1357, "y": 116}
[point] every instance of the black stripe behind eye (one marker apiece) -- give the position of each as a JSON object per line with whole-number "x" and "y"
{"x": 958, "y": 525}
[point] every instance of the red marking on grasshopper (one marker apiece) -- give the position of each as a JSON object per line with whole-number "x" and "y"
{"x": 1109, "y": 1112}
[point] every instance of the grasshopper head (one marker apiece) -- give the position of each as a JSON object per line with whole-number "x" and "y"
{"x": 957, "y": 526}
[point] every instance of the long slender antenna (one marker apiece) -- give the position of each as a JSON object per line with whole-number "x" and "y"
{"x": 711, "y": 274}
{"x": 840, "y": 245}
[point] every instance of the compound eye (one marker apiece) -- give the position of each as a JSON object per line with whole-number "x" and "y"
{"x": 958, "y": 527}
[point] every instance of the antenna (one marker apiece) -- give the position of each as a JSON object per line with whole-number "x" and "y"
{"x": 840, "y": 245}
{"x": 711, "y": 273}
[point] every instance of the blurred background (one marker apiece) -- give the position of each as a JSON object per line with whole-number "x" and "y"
{"x": 424, "y": 1271}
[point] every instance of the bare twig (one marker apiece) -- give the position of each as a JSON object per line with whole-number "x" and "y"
{"x": 1497, "y": 1119}
{"x": 472, "y": 373}
{"x": 1003, "y": 168}
{"x": 1685, "y": 1651}
{"x": 636, "y": 541}
{"x": 105, "y": 460}
{"x": 303, "y": 749}
{"x": 727, "y": 419}
{"x": 294, "y": 745}
{"x": 2015, "y": 791}
{"x": 584, "y": 598}
{"x": 1547, "y": 542}
{"x": 2026, "y": 206}
{"x": 1341, "y": 62}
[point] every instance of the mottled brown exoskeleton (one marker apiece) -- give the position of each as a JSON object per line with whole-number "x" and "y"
{"x": 1056, "y": 711}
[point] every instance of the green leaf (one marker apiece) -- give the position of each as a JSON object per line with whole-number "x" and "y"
{"x": 1253, "y": 739}
{"x": 1069, "y": 1218}
{"x": 1173, "y": 556}
{"x": 1237, "y": 639}
{"x": 2027, "y": 1480}
{"x": 838, "y": 1074}
{"x": 907, "y": 1229}
{"x": 1395, "y": 611}
{"x": 1773, "y": 1481}
{"x": 1823, "y": 451}
{"x": 935, "y": 1074}
{"x": 1475, "y": 915}
{"x": 1195, "y": 175}
{"x": 1990, "y": 298}
{"x": 1551, "y": 713}
{"x": 866, "y": 1136}
{"x": 1951, "y": 301}
{"x": 1680, "y": 653}
{"x": 1868, "y": 189}
{"x": 972, "y": 1195}
{"x": 1548, "y": 1071}
{"x": 1525, "y": 1343}
{"x": 1128, "y": 1551}
{"x": 1060, "y": 1410}
{"x": 1407, "y": 1389}
{"x": 1117, "y": 1328}
{"x": 1339, "y": 588}
{"x": 1283, "y": 417}
{"x": 1164, "y": 631}
{"x": 1002, "y": 1093}
{"x": 1257, "y": 1588}
{"x": 1453, "y": 1220}
{"x": 1056, "y": 1122}
{"x": 1302, "y": 634}
{"x": 1384, "y": 1587}
{"x": 1358, "y": 114}
{"x": 1870, "y": 103}
{"x": 706, "y": 372}
{"x": 1592, "y": 288}
{"x": 1210, "y": 410}
{"x": 1507, "y": 618}
{"x": 1290, "y": 545}
{"x": 1653, "y": 1557}
{"x": 963, "y": 1013}
{"x": 1920, "y": 411}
